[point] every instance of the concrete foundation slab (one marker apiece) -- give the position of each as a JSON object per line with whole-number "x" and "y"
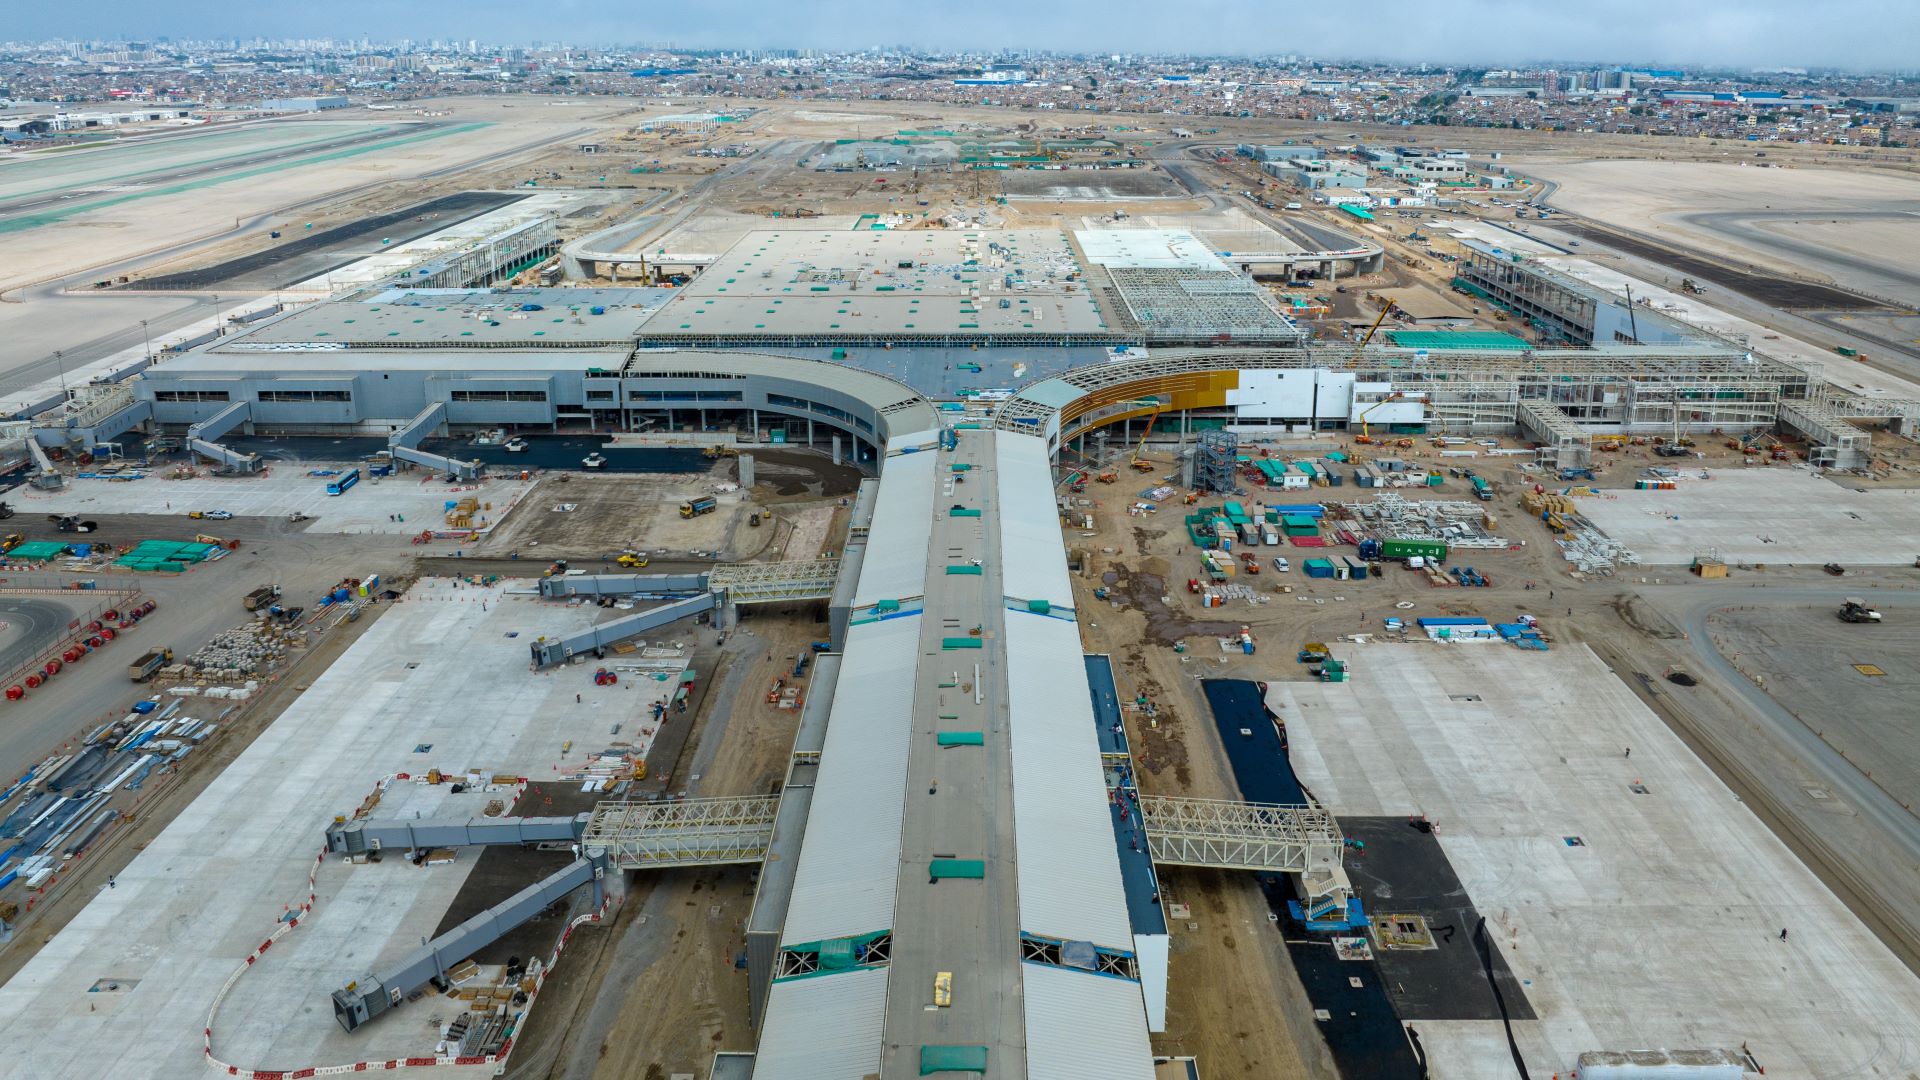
{"x": 440, "y": 671}
{"x": 1764, "y": 515}
{"x": 368, "y": 507}
{"x": 1634, "y": 920}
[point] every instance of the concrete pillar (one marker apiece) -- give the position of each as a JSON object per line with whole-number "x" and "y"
{"x": 836, "y": 445}
{"x": 746, "y": 470}
{"x": 810, "y": 431}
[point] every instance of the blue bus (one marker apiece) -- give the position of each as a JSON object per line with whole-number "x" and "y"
{"x": 339, "y": 484}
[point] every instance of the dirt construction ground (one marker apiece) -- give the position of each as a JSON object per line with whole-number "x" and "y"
{"x": 1235, "y": 1002}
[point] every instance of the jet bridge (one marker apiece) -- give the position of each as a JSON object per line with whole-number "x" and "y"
{"x": 616, "y": 836}
{"x": 561, "y": 586}
{"x": 404, "y": 444}
{"x": 202, "y": 437}
{"x": 550, "y": 651}
{"x": 365, "y": 998}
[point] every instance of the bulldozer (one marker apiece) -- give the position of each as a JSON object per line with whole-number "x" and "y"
{"x": 1855, "y": 610}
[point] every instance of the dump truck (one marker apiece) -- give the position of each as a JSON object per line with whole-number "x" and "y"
{"x": 261, "y": 597}
{"x": 1854, "y": 609}
{"x": 705, "y": 504}
{"x": 142, "y": 669}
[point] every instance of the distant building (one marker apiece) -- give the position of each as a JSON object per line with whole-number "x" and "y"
{"x": 1319, "y": 175}
{"x": 1278, "y": 153}
{"x": 304, "y": 104}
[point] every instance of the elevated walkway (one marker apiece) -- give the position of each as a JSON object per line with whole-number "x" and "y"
{"x": 776, "y": 582}
{"x": 1239, "y": 836}
{"x": 1547, "y": 423}
{"x": 363, "y": 999}
{"x": 684, "y": 832}
{"x": 548, "y": 652}
{"x": 615, "y": 836}
{"x": 561, "y": 586}
{"x": 404, "y": 444}
{"x": 1838, "y": 443}
{"x": 203, "y": 437}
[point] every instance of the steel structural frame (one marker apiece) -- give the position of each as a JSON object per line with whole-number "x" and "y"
{"x": 641, "y": 835}
{"x": 1238, "y": 835}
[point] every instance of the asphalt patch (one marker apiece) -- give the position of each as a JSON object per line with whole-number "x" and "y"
{"x": 313, "y": 254}
{"x": 1403, "y": 871}
{"x": 1776, "y": 291}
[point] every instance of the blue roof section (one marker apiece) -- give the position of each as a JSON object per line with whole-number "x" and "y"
{"x": 1106, "y": 705}
{"x": 1142, "y": 886}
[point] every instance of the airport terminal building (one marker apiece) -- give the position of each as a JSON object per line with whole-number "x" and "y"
{"x": 844, "y": 339}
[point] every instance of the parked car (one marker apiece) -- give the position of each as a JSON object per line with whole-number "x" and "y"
{"x": 1834, "y": 568}
{"x": 1281, "y": 565}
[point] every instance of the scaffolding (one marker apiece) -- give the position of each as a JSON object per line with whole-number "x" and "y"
{"x": 1216, "y": 464}
{"x": 1468, "y": 391}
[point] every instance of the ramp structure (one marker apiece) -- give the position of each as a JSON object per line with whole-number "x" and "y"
{"x": 404, "y": 444}
{"x": 202, "y": 438}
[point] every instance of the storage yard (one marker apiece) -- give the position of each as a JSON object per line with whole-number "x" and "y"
{"x": 383, "y": 711}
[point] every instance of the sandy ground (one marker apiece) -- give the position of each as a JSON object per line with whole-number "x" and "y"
{"x": 603, "y": 520}
{"x": 159, "y": 221}
{"x": 1734, "y": 211}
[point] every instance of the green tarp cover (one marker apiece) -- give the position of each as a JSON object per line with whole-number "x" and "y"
{"x": 964, "y": 568}
{"x": 960, "y": 643}
{"x": 964, "y": 511}
{"x": 1040, "y": 607}
{"x": 836, "y": 955}
{"x": 958, "y": 868}
{"x": 936, "y": 1059}
{"x": 885, "y": 606}
{"x": 960, "y": 738}
{"x": 37, "y": 551}
{"x": 961, "y": 466}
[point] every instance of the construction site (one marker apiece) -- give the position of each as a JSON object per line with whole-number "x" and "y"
{"x": 1451, "y": 613}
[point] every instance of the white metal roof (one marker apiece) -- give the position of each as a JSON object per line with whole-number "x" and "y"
{"x": 1034, "y": 557}
{"x": 895, "y": 563}
{"x": 1069, "y": 872}
{"x": 1083, "y": 1026}
{"x": 850, "y": 857}
{"x": 827, "y": 1027}
{"x": 1147, "y": 249}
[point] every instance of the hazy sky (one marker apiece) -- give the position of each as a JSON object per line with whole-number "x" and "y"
{"x": 1881, "y": 34}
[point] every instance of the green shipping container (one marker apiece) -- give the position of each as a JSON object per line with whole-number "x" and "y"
{"x": 1401, "y": 549}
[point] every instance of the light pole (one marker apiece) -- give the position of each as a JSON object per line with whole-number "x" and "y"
{"x": 216, "y": 314}
{"x": 144, "y": 333}
{"x": 60, "y": 362}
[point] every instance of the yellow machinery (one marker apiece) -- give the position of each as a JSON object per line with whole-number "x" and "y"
{"x": 1366, "y": 434}
{"x": 1371, "y": 330}
{"x": 1139, "y": 463}
{"x": 633, "y": 560}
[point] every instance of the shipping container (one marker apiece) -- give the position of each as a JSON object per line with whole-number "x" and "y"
{"x": 1400, "y": 549}
{"x": 1318, "y": 568}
